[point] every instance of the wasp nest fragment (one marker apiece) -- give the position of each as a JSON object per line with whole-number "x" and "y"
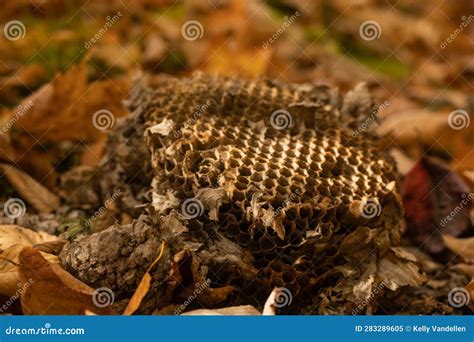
{"x": 261, "y": 184}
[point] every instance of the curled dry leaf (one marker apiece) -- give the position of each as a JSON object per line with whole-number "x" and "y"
{"x": 51, "y": 247}
{"x": 52, "y": 290}
{"x": 12, "y": 241}
{"x": 9, "y": 269}
{"x": 143, "y": 287}
{"x": 31, "y": 190}
{"x": 462, "y": 247}
{"x": 467, "y": 269}
{"x": 395, "y": 273}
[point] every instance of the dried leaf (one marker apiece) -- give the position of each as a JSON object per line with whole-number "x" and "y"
{"x": 7, "y": 151}
{"x": 436, "y": 199}
{"x": 53, "y": 111}
{"x": 212, "y": 296}
{"x": 9, "y": 270}
{"x": 93, "y": 153}
{"x": 404, "y": 163}
{"x": 142, "y": 288}
{"x": 229, "y": 60}
{"x": 51, "y": 247}
{"x": 13, "y": 234}
{"x": 52, "y": 290}
{"x": 69, "y": 101}
{"x": 462, "y": 247}
{"x": 363, "y": 289}
{"x": 31, "y": 190}
{"x": 12, "y": 240}
{"x": 467, "y": 269}
{"x": 395, "y": 273}
{"x": 412, "y": 127}
{"x": 30, "y": 75}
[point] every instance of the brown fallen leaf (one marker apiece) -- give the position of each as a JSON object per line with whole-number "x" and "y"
{"x": 174, "y": 278}
{"x": 414, "y": 126}
{"x": 9, "y": 268}
{"x": 12, "y": 240}
{"x": 52, "y": 290}
{"x": 29, "y": 75}
{"x": 395, "y": 273}
{"x": 211, "y": 295}
{"x": 53, "y": 107}
{"x": 143, "y": 287}
{"x": 92, "y": 155}
{"x": 404, "y": 163}
{"x": 229, "y": 60}
{"x": 7, "y": 151}
{"x": 12, "y": 234}
{"x": 51, "y": 247}
{"x": 467, "y": 269}
{"x": 462, "y": 247}
{"x": 69, "y": 100}
{"x": 31, "y": 190}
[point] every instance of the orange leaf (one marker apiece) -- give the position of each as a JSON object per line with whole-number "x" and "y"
{"x": 142, "y": 288}
{"x": 50, "y": 290}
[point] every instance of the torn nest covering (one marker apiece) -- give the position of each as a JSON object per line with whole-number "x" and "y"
{"x": 252, "y": 185}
